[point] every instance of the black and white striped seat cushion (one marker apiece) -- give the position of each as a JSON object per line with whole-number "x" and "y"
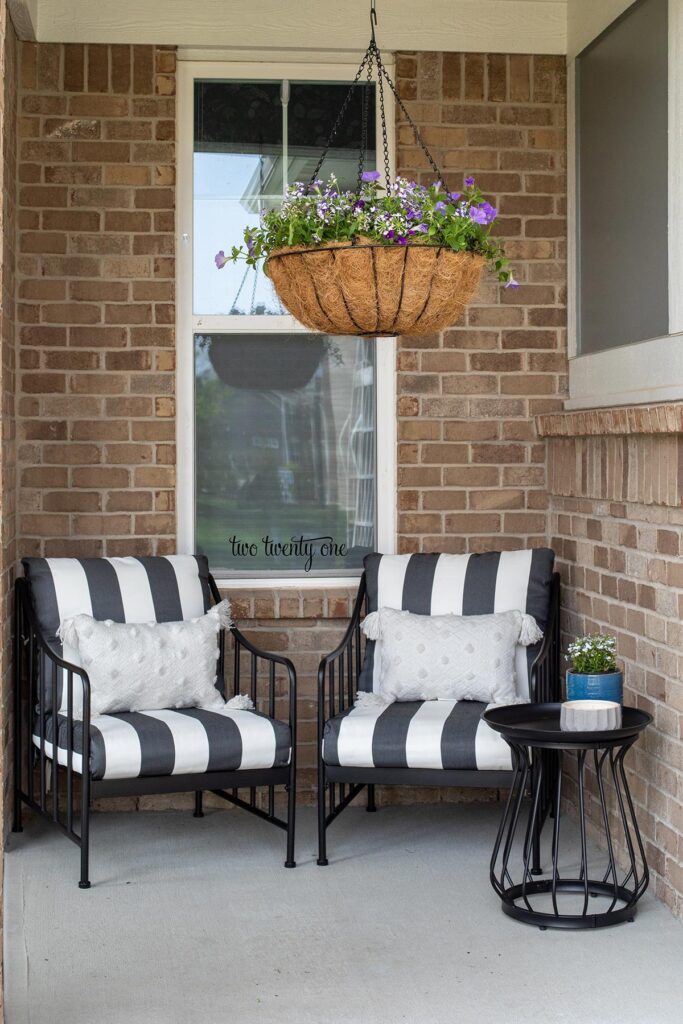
{"x": 187, "y": 741}
{"x": 476, "y": 584}
{"x": 439, "y": 734}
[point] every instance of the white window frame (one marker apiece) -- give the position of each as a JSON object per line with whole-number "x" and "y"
{"x": 646, "y": 371}
{"x": 188, "y": 323}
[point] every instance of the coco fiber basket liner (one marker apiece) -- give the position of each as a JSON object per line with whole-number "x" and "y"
{"x": 372, "y": 289}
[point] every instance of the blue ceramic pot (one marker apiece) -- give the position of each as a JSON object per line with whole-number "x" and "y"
{"x": 601, "y": 686}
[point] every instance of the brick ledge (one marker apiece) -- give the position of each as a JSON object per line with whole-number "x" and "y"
{"x": 666, "y": 418}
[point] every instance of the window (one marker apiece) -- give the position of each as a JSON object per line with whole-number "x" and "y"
{"x": 622, "y": 163}
{"x": 625, "y": 205}
{"x": 283, "y": 449}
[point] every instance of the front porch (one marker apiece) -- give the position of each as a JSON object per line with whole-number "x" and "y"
{"x": 191, "y": 921}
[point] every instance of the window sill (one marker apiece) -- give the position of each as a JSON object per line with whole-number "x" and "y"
{"x": 289, "y": 583}
{"x": 646, "y": 372}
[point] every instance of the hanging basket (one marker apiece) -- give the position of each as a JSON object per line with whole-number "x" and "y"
{"x": 371, "y": 289}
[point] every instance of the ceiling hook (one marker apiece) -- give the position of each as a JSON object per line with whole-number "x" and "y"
{"x": 373, "y": 20}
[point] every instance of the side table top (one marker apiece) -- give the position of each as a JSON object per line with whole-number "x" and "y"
{"x": 539, "y": 725}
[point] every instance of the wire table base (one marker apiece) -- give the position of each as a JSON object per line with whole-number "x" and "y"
{"x": 566, "y": 900}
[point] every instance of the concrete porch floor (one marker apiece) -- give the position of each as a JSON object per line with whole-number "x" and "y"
{"x": 198, "y": 920}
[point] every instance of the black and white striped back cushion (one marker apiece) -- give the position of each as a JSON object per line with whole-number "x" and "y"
{"x": 477, "y": 584}
{"x": 146, "y": 589}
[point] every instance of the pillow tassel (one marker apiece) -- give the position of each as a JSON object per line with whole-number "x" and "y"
{"x": 365, "y": 699}
{"x": 240, "y": 702}
{"x": 370, "y": 626}
{"x": 67, "y": 632}
{"x": 529, "y": 633}
{"x": 223, "y": 614}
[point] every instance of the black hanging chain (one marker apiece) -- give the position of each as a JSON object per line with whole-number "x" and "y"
{"x": 373, "y": 58}
{"x": 340, "y": 117}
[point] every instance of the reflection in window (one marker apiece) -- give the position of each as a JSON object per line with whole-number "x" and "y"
{"x": 285, "y": 452}
{"x": 251, "y": 139}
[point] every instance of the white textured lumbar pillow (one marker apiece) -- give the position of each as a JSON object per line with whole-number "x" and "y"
{"x": 453, "y": 657}
{"x": 149, "y": 666}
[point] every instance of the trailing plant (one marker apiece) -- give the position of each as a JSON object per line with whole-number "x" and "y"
{"x": 404, "y": 213}
{"x": 592, "y": 654}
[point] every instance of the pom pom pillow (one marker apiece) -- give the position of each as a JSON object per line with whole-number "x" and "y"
{"x": 149, "y": 666}
{"x": 453, "y": 657}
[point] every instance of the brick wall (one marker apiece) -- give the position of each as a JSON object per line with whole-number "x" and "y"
{"x": 616, "y": 523}
{"x": 96, "y": 299}
{"x": 8, "y": 104}
{"x": 471, "y": 468}
{"x": 96, "y": 412}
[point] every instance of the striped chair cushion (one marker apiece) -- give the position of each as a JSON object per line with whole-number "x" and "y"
{"x": 153, "y": 589}
{"x": 436, "y": 734}
{"x": 438, "y": 584}
{"x": 183, "y": 742}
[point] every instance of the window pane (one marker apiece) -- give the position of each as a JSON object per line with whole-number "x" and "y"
{"x": 250, "y": 140}
{"x": 313, "y": 109}
{"x": 285, "y": 452}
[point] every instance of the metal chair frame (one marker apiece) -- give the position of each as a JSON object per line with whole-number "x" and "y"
{"x": 32, "y": 651}
{"x": 338, "y": 676}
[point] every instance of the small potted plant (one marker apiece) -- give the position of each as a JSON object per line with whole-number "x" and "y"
{"x": 594, "y": 674}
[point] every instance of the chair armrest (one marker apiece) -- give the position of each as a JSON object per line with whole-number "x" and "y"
{"x": 339, "y": 670}
{"x": 241, "y": 643}
{"x": 29, "y": 634}
{"x": 544, "y": 676}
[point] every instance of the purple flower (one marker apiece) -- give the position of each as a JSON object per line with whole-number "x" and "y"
{"x": 412, "y": 215}
{"x": 402, "y": 240}
{"x": 469, "y": 181}
{"x": 220, "y": 259}
{"x": 250, "y": 246}
{"x": 424, "y": 228}
{"x": 440, "y": 207}
{"x": 360, "y": 205}
{"x": 490, "y": 211}
{"x": 437, "y": 185}
{"x": 454, "y": 196}
{"x": 478, "y": 215}
{"x": 512, "y": 283}
{"x": 370, "y": 176}
{"x": 389, "y": 234}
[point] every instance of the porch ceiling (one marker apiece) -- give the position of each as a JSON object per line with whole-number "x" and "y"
{"x": 509, "y": 26}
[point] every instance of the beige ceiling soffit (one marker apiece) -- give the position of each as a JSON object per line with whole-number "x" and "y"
{"x": 272, "y": 55}
{"x": 489, "y": 26}
{"x": 24, "y": 15}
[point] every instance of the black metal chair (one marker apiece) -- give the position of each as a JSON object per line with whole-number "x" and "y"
{"x": 349, "y": 668}
{"x": 47, "y": 687}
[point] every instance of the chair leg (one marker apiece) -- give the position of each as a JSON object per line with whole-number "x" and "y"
{"x": 537, "y": 780}
{"x": 85, "y": 834}
{"x": 199, "y": 804}
{"x": 16, "y": 815}
{"x": 291, "y": 813}
{"x": 372, "y": 806}
{"x": 322, "y": 838}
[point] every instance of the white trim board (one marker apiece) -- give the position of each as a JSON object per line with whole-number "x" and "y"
{"x": 187, "y": 323}
{"x": 484, "y": 26}
{"x": 645, "y": 372}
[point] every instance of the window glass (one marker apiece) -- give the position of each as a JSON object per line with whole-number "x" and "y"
{"x": 285, "y": 452}
{"x": 251, "y": 139}
{"x": 622, "y": 181}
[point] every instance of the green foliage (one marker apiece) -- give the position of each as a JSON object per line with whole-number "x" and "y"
{"x": 405, "y": 213}
{"x": 592, "y": 654}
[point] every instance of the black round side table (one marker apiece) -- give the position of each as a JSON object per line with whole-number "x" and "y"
{"x": 538, "y": 748}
